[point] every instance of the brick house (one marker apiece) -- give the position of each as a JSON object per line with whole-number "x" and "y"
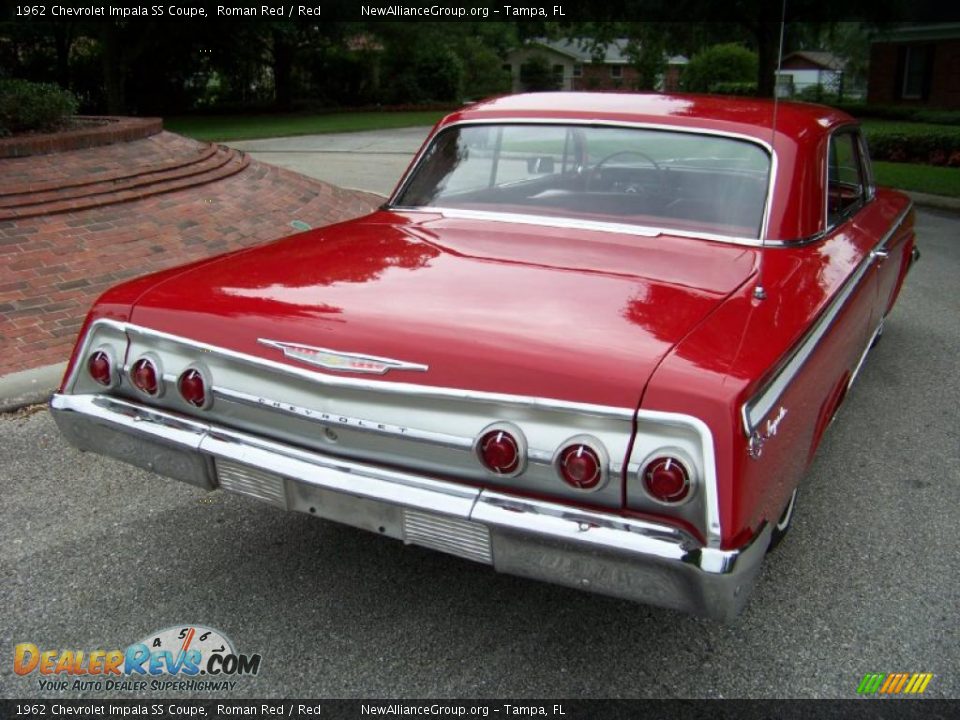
{"x": 577, "y": 66}
{"x": 916, "y": 65}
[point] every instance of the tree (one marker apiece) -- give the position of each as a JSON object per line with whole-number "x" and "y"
{"x": 727, "y": 63}
{"x": 536, "y": 75}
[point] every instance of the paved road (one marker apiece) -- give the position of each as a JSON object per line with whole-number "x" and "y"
{"x": 94, "y": 554}
{"x": 373, "y": 160}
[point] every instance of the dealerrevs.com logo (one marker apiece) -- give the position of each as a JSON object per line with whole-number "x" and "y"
{"x": 186, "y": 658}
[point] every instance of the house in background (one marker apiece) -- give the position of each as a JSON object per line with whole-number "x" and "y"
{"x": 916, "y": 65}
{"x": 576, "y": 66}
{"x": 805, "y": 69}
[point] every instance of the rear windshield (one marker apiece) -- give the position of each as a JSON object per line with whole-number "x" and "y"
{"x": 653, "y": 178}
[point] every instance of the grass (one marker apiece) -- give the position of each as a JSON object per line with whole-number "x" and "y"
{"x": 919, "y": 178}
{"x": 249, "y": 127}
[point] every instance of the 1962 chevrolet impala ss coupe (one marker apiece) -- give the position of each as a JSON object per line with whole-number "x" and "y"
{"x": 591, "y": 339}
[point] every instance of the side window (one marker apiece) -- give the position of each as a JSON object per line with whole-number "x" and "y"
{"x": 845, "y": 181}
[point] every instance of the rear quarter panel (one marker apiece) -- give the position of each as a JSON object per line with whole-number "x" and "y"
{"x": 736, "y": 352}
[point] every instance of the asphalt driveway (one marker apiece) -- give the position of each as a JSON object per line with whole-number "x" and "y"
{"x": 372, "y": 160}
{"x": 95, "y": 554}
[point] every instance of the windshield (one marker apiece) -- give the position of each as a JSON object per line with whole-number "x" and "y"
{"x": 683, "y": 181}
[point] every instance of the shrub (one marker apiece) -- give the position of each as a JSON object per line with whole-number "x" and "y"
{"x": 28, "y": 106}
{"x": 734, "y": 88}
{"x": 903, "y": 113}
{"x": 914, "y": 143}
{"x": 728, "y": 63}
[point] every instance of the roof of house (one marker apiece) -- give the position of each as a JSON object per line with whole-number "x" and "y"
{"x": 821, "y": 58}
{"x": 584, "y": 50}
{"x": 588, "y": 51}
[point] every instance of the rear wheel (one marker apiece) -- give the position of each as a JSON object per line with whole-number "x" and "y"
{"x": 783, "y": 524}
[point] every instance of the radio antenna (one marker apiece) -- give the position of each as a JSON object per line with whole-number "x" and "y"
{"x": 759, "y": 292}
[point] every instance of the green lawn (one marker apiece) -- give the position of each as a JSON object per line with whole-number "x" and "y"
{"x": 919, "y": 178}
{"x": 248, "y": 127}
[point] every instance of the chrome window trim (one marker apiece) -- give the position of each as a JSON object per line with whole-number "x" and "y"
{"x": 713, "y": 527}
{"x": 763, "y": 144}
{"x": 756, "y": 408}
{"x": 865, "y": 195}
{"x": 576, "y": 224}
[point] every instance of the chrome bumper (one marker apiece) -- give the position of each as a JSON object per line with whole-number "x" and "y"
{"x": 600, "y": 552}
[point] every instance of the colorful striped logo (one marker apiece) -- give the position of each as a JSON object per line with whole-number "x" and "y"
{"x": 894, "y": 683}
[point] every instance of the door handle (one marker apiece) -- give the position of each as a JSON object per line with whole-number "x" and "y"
{"x": 880, "y": 254}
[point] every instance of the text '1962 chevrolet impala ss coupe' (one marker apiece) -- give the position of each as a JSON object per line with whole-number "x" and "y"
{"x": 593, "y": 339}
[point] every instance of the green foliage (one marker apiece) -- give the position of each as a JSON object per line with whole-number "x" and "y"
{"x": 734, "y": 88}
{"x": 726, "y": 63}
{"x": 26, "y": 106}
{"x": 913, "y": 142}
{"x": 536, "y": 75}
{"x": 484, "y": 74}
{"x": 905, "y": 113}
{"x": 919, "y": 178}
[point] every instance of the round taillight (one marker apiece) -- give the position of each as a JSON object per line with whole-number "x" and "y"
{"x": 100, "y": 368}
{"x": 145, "y": 377}
{"x": 666, "y": 479}
{"x": 580, "y": 466}
{"x": 192, "y": 387}
{"x": 500, "y": 452}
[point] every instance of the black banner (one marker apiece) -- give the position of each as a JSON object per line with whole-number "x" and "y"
{"x": 557, "y": 709}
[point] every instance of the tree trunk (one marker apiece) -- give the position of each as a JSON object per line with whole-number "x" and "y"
{"x": 113, "y": 69}
{"x": 768, "y": 47}
{"x": 282, "y": 71}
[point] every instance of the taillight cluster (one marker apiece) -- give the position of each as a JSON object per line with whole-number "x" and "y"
{"x": 146, "y": 375}
{"x": 582, "y": 463}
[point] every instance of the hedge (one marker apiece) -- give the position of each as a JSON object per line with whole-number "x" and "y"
{"x": 914, "y": 143}
{"x": 26, "y": 106}
{"x": 899, "y": 112}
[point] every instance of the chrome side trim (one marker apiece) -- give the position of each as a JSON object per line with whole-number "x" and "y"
{"x": 863, "y": 356}
{"x": 771, "y": 180}
{"x": 754, "y": 410}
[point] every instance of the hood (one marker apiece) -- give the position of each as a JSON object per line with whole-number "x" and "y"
{"x": 576, "y": 315}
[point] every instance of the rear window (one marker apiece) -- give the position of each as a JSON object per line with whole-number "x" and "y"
{"x": 652, "y": 178}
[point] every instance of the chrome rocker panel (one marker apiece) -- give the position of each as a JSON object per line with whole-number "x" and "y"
{"x": 601, "y": 552}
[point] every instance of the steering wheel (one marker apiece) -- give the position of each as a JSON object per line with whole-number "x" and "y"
{"x": 596, "y": 170}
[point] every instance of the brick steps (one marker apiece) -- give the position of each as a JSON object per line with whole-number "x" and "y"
{"x": 210, "y": 164}
{"x": 9, "y": 196}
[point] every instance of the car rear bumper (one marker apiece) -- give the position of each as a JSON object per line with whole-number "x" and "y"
{"x": 596, "y": 551}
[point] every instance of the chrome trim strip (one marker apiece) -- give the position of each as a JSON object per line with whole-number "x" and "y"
{"x": 382, "y": 386}
{"x": 576, "y": 224}
{"x": 768, "y": 201}
{"x": 353, "y": 423}
{"x": 863, "y": 356}
{"x": 756, "y": 408}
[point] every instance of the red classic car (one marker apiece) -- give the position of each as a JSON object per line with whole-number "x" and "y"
{"x": 592, "y": 339}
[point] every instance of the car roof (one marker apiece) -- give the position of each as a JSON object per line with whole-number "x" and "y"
{"x": 745, "y": 116}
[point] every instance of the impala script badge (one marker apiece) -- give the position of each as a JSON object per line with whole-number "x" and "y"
{"x": 346, "y": 362}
